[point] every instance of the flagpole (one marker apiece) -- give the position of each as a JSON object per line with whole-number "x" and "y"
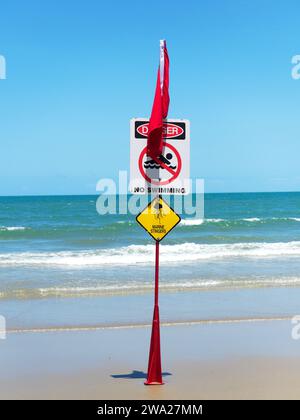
{"x": 156, "y": 289}
{"x": 159, "y": 112}
{"x": 154, "y": 373}
{"x": 156, "y": 273}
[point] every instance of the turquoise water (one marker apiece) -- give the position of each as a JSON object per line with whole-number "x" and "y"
{"x": 62, "y": 264}
{"x": 60, "y": 247}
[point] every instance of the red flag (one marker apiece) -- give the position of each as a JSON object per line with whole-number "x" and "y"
{"x": 160, "y": 105}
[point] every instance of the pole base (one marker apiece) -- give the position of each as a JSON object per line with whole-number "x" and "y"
{"x": 153, "y": 383}
{"x": 154, "y": 374}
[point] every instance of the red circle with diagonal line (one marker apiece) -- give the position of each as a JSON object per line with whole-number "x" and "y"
{"x": 174, "y": 174}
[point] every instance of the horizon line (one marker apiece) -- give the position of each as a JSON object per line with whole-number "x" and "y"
{"x": 96, "y": 195}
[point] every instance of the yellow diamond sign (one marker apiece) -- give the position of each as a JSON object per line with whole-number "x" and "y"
{"x": 158, "y": 219}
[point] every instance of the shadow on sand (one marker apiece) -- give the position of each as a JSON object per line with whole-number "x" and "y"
{"x": 136, "y": 374}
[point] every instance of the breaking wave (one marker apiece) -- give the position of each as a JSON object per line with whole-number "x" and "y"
{"x": 144, "y": 254}
{"x": 103, "y": 289}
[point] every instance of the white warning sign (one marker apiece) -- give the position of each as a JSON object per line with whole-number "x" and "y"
{"x": 170, "y": 172}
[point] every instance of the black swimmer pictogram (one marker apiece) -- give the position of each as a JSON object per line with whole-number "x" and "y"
{"x": 151, "y": 168}
{"x": 152, "y": 164}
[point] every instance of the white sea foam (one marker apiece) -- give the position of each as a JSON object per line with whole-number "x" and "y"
{"x": 257, "y": 219}
{"x": 197, "y": 222}
{"x": 191, "y": 222}
{"x": 144, "y": 254}
{"x": 195, "y": 284}
{"x": 127, "y": 288}
{"x": 101, "y": 327}
{"x": 144, "y": 287}
{"x": 11, "y": 228}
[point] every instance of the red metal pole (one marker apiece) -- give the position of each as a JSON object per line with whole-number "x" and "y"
{"x": 154, "y": 376}
{"x": 156, "y": 272}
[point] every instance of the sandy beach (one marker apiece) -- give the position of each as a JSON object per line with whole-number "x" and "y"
{"x": 237, "y": 359}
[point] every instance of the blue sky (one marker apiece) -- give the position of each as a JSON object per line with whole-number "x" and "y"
{"x": 78, "y": 71}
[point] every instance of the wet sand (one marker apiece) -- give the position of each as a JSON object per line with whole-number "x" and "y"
{"x": 238, "y": 359}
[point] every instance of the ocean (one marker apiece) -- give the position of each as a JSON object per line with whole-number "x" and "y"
{"x": 61, "y": 263}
